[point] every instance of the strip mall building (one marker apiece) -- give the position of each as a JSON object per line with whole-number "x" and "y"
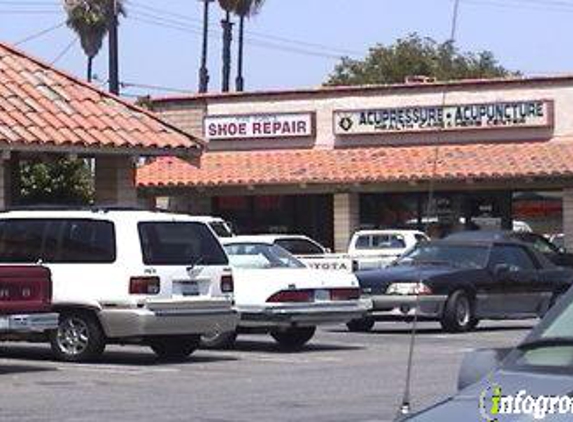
{"x": 328, "y": 161}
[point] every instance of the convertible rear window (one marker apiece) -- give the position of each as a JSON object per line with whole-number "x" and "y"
{"x": 180, "y": 243}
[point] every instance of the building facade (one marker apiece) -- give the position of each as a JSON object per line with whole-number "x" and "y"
{"x": 328, "y": 161}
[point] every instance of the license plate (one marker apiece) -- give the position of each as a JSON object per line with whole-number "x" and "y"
{"x": 189, "y": 288}
{"x": 321, "y": 295}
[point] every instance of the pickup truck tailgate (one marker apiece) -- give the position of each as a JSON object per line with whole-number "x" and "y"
{"x": 25, "y": 289}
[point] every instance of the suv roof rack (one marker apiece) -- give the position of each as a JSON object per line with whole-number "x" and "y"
{"x": 55, "y": 207}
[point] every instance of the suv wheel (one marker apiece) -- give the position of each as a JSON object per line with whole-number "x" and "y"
{"x": 79, "y": 337}
{"x": 293, "y": 338}
{"x": 174, "y": 347}
{"x": 219, "y": 340}
{"x": 362, "y": 325}
{"x": 458, "y": 313}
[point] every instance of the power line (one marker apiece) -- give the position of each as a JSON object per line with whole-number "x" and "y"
{"x": 39, "y": 34}
{"x": 64, "y": 51}
{"x": 178, "y": 18}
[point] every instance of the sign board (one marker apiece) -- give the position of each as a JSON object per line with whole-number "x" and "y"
{"x": 287, "y": 125}
{"x": 499, "y": 115}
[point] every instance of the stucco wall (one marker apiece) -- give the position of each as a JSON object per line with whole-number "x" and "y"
{"x": 189, "y": 114}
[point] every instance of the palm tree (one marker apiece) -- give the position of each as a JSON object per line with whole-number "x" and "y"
{"x": 244, "y": 9}
{"x": 90, "y": 20}
{"x": 228, "y": 6}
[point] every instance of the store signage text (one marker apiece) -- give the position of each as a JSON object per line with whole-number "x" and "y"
{"x": 518, "y": 114}
{"x": 259, "y": 126}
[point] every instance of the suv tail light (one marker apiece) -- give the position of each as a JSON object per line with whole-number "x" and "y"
{"x": 227, "y": 283}
{"x": 144, "y": 285}
{"x": 296, "y": 296}
{"x": 350, "y": 293}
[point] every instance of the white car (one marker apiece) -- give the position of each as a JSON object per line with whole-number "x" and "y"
{"x": 125, "y": 276}
{"x": 278, "y": 294}
{"x": 374, "y": 249}
{"x": 309, "y": 251}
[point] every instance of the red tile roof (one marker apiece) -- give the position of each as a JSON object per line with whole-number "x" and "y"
{"x": 42, "y": 106}
{"x": 364, "y": 165}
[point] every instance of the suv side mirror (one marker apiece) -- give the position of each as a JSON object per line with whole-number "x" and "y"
{"x": 501, "y": 270}
{"x": 477, "y": 364}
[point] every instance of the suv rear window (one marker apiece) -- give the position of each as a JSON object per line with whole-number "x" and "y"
{"x": 180, "y": 243}
{"x": 57, "y": 241}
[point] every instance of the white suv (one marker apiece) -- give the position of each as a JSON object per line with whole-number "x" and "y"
{"x": 123, "y": 276}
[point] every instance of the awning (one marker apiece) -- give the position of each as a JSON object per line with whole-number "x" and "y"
{"x": 493, "y": 161}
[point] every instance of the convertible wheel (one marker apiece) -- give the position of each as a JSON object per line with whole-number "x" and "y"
{"x": 362, "y": 325}
{"x": 174, "y": 348}
{"x": 79, "y": 337}
{"x": 458, "y": 313}
{"x": 293, "y": 338}
{"x": 219, "y": 340}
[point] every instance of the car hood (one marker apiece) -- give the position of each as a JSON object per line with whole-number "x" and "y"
{"x": 403, "y": 274}
{"x": 466, "y": 404}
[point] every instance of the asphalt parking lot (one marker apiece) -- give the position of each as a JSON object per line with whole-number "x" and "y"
{"x": 341, "y": 376}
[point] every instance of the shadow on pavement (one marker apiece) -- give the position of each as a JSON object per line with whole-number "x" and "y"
{"x": 407, "y": 330}
{"x": 253, "y": 345}
{"x": 22, "y": 369}
{"x": 131, "y": 357}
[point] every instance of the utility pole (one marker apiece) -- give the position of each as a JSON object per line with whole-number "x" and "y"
{"x": 113, "y": 50}
{"x": 227, "y": 41}
{"x": 240, "y": 81}
{"x": 204, "y": 71}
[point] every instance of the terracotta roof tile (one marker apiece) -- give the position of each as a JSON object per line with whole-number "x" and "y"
{"x": 39, "y": 104}
{"x": 365, "y": 165}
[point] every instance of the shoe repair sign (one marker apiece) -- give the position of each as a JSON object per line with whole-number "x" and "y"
{"x": 286, "y": 125}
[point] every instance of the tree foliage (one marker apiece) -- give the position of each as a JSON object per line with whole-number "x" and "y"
{"x": 56, "y": 182}
{"x": 416, "y": 56}
{"x": 90, "y": 19}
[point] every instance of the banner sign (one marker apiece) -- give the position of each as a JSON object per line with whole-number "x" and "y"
{"x": 288, "y": 125}
{"x": 502, "y": 115}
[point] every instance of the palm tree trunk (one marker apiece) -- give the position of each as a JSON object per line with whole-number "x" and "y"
{"x": 90, "y": 68}
{"x": 227, "y": 41}
{"x": 240, "y": 82}
{"x": 204, "y": 71}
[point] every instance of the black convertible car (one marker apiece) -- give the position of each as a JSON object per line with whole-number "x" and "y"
{"x": 459, "y": 282}
{"x": 559, "y": 256}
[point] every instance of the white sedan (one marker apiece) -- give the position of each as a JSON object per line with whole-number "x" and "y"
{"x": 276, "y": 293}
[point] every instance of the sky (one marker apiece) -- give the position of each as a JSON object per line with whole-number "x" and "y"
{"x": 292, "y": 43}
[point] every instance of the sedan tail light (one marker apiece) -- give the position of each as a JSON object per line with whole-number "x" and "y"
{"x": 350, "y": 293}
{"x": 227, "y": 283}
{"x": 144, "y": 285}
{"x": 292, "y": 296}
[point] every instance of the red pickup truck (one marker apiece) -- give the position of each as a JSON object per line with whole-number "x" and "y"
{"x": 25, "y": 301}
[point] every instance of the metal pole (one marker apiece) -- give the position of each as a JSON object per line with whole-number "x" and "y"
{"x": 113, "y": 51}
{"x": 240, "y": 81}
{"x": 227, "y": 41}
{"x": 204, "y": 71}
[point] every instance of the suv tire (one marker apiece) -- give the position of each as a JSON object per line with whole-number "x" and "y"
{"x": 293, "y": 338}
{"x": 362, "y": 325}
{"x": 219, "y": 340}
{"x": 458, "y": 313}
{"x": 174, "y": 348}
{"x": 79, "y": 337}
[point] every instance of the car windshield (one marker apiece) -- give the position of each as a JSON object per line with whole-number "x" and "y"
{"x": 260, "y": 256}
{"x": 550, "y": 346}
{"x": 467, "y": 256}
